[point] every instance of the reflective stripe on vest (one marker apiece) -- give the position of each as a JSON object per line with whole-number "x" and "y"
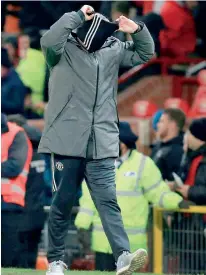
{"x": 141, "y": 169}
{"x": 86, "y": 211}
{"x": 17, "y": 189}
{"x": 4, "y": 181}
{"x": 135, "y": 193}
{"x": 128, "y": 193}
{"x": 13, "y": 189}
{"x": 24, "y": 173}
{"x": 155, "y": 185}
{"x": 162, "y": 198}
{"x": 130, "y": 231}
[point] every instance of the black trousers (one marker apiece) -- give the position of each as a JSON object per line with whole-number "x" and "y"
{"x": 68, "y": 173}
{"x": 10, "y": 242}
{"x": 104, "y": 262}
{"x": 29, "y": 241}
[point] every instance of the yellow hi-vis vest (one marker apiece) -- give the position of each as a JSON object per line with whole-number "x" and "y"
{"x": 138, "y": 182}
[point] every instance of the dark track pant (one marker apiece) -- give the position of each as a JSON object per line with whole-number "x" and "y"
{"x": 68, "y": 173}
{"x": 29, "y": 248}
{"x": 10, "y": 242}
{"x": 104, "y": 262}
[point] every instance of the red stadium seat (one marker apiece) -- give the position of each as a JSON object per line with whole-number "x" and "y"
{"x": 144, "y": 109}
{"x": 202, "y": 77}
{"x": 177, "y": 103}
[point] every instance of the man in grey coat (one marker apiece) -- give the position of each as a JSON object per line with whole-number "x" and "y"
{"x": 81, "y": 123}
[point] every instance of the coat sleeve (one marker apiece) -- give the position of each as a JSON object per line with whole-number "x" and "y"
{"x": 138, "y": 51}
{"x": 156, "y": 190}
{"x": 87, "y": 209}
{"x": 197, "y": 193}
{"x": 54, "y": 40}
{"x": 16, "y": 158}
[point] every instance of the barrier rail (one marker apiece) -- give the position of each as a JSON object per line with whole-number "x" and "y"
{"x": 164, "y": 62}
{"x": 179, "y": 248}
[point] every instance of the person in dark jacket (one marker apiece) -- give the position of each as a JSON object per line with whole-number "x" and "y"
{"x": 193, "y": 169}
{"x": 193, "y": 175}
{"x": 167, "y": 153}
{"x": 81, "y": 122}
{"x": 13, "y": 91}
{"x": 33, "y": 215}
{"x": 19, "y": 154}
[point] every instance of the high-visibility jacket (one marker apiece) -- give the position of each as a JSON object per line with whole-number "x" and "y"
{"x": 32, "y": 71}
{"x": 138, "y": 182}
{"x": 13, "y": 189}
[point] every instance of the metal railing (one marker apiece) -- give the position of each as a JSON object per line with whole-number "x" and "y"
{"x": 164, "y": 62}
{"x": 179, "y": 241}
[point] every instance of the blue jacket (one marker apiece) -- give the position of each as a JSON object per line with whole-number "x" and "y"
{"x": 13, "y": 94}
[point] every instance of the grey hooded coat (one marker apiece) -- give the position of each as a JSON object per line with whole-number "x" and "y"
{"x": 81, "y": 119}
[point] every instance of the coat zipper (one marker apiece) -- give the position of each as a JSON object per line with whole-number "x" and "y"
{"x": 116, "y": 108}
{"x": 95, "y": 102}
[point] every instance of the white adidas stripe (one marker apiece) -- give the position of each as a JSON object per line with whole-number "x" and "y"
{"x": 94, "y": 29}
{"x": 93, "y": 32}
{"x": 90, "y": 29}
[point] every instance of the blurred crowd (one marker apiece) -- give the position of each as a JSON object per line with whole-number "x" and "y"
{"x": 24, "y": 72}
{"x": 178, "y": 29}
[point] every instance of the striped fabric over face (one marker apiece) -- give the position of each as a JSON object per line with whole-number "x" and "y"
{"x": 93, "y": 33}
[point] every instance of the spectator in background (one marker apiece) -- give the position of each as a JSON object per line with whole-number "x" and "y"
{"x": 167, "y": 153}
{"x": 31, "y": 111}
{"x": 32, "y": 69}
{"x": 16, "y": 155}
{"x": 13, "y": 91}
{"x": 119, "y": 8}
{"x": 11, "y": 44}
{"x": 193, "y": 169}
{"x": 155, "y": 25}
{"x": 33, "y": 216}
{"x": 193, "y": 174}
{"x": 179, "y": 36}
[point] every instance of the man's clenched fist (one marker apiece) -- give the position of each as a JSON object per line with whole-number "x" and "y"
{"x": 88, "y": 12}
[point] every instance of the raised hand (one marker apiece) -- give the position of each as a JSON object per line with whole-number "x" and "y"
{"x": 126, "y": 25}
{"x": 88, "y": 12}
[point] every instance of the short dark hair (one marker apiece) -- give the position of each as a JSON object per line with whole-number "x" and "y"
{"x": 177, "y": 116}
{"x": 121, "y": 6}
